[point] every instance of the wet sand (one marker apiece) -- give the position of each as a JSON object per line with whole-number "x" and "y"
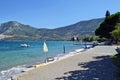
{"x": 93, "y": 64}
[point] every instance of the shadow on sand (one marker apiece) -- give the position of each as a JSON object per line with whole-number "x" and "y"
{"x": 101, "y": 69}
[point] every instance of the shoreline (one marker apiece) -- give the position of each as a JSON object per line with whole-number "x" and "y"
{"x": 18, "y": 70}
{"x": 43, "y": 72}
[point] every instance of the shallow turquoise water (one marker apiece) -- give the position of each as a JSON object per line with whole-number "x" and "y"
{"x": 12, "y": 54}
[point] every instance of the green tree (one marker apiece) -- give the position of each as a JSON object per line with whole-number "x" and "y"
{"x": 108, "y": 26}
{"x": 88, "y": 38}
{"x": 116, "y": 33}
{"x": 107, "y": 13}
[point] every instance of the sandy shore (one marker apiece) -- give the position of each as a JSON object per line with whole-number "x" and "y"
{"x": 93, "y": 64}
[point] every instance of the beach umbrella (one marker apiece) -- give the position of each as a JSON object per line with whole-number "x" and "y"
{"x": 45, "y": 50}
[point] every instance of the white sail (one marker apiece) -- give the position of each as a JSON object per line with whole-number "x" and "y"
{"x": 45, "y": 48}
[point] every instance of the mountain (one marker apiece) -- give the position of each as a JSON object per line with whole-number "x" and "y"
{"x": 18, "y": 31}
{"x": 14, "y": 30}
{"x": 80, "y": 29}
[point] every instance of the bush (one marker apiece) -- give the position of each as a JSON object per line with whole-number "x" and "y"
{"x": 100, "y": 39}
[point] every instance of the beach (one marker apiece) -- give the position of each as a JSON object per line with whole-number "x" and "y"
{"x": 17, "y": 59}
{"x": 92, "y": 64}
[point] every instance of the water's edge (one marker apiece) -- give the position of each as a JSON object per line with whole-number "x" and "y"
{"x": 15, "y": 71}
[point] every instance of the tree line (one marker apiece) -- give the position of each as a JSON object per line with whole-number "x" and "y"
{"x": 110, "y": 27}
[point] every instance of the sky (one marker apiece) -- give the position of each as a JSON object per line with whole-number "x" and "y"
{"x": 55, "y": 13}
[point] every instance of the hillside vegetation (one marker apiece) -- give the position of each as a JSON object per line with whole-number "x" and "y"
{"x": 14, "y": 30}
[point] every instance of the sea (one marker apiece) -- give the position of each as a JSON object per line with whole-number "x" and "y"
{"x": 14, "y": 57}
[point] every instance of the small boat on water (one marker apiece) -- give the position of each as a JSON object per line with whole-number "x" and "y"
{"x": 25, "y": 45}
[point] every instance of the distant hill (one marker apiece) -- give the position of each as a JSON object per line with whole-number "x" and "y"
{"x": 14, "y": 30}
{"x": 18, "y": 31}
{"x": 80, "y": 29}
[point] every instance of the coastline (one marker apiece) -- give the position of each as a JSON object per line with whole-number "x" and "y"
{"x": 64, "y": 62}
{"x": 18, "y": 70}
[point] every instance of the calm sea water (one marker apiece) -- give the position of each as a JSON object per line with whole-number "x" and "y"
{"x": 12, "y": 54}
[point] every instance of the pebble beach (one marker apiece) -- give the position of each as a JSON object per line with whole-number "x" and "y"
{"x": 92, "y": 64}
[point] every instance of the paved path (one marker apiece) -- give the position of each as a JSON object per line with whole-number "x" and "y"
{"x": 93, "y": 64}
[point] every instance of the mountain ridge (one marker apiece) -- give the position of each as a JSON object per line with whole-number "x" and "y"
{"x": 18, "y": 31}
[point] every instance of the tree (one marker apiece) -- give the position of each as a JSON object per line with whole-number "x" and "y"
{"x": 108, "y": 26}
{"x": 107, "y": 13}
{"x": 88, "y": 38}
{"x": 116, "y": 33}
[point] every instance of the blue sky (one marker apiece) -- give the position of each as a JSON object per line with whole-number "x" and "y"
{"x": 54, "y": 13}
